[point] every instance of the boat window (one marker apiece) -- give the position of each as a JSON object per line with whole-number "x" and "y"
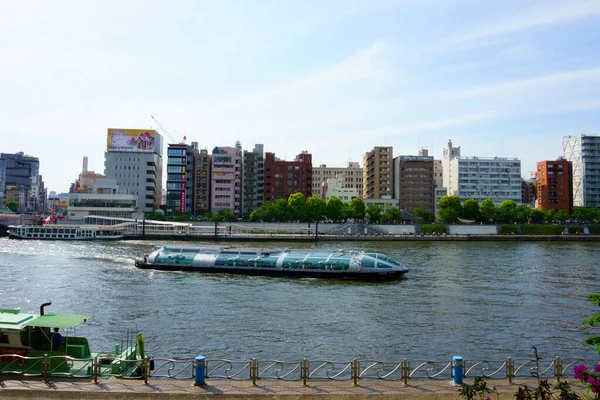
{"x": 293, "y": 261}
{"x": 368, "y": 262}
{"x": 3, "y": 337}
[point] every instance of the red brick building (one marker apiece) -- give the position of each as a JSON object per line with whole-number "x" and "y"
{"x": 283, "y": 178}
{"x": 554, "y": 185}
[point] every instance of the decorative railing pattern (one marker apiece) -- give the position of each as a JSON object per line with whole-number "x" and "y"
{"x": 301, "y": 371}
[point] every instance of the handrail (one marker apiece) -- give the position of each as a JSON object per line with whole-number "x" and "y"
{"x": 355, "y": 371}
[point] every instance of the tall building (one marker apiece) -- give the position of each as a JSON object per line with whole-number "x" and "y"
{"x": 414, "y": 184}
{"x": 202, "y": 182}
{"x": 378, "y": 173}
{"x": 584, "y": 154}
{"x": 254, "y": 179}
{"x": 226, "y": 179}
{"x": 554, "y": 190}
{"x": 351, "y": 175}
{"x": 134, "y": 158}
{"x": 480, "y": 178}
{"x": 283, "y": 178}
{"x": 21, "y": 174}
{"x": 181, "y": 167}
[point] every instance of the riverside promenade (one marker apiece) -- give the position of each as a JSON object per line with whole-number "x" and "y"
{"x": 221, "y": 389}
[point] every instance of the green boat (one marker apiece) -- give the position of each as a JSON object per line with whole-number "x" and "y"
{"x": 29, "y": 347}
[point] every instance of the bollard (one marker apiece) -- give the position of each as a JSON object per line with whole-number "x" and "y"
{"x": 200, "y": 368}
{"x": 118, "y": 350}
{"x": 457, "y": 362}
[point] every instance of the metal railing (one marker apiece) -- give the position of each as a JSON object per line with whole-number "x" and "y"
{"x": 304, "y": 371}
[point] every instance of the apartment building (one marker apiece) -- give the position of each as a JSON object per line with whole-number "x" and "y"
{"x": 583, "y": 152}
{"x": 20, "y": 174}
{"x": 480, "y": 178}
{"x": 283, "y": 178}
{"x": 253, "y": 179}
{"x": 337, "y": 187}
{"x": 414, "y": 184}
{"x": 226, "y": 179}
{"x": 554, "y": 185}
{"x": 378, "y": 173}
{"x": 351, "y": 177}
{"x": 202, "y": 182}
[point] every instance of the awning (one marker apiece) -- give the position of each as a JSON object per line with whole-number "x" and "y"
{"x": 63, "y": 321}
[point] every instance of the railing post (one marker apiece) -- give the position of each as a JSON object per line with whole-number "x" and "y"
{"x": 405, "y": 371}
{"x": 458, "y": 370}
{"x": 253, "y": 371}
{"x": 145, "y": 369}
{"x": 510, "y": 369}
{"x": 45, "y": 367}
{"x": 304, "y": 371}
{"x": 355, "y": 371}
{"x": 95, "y": 369}
{"x": 558, "y": 369}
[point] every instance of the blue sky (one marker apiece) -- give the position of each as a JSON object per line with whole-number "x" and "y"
{"x": 336, "y": 78}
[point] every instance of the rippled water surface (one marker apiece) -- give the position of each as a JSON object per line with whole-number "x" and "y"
{"x": 478, "y": 300}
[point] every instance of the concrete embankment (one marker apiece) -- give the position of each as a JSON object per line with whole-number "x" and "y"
{"x": 181, "y": 390}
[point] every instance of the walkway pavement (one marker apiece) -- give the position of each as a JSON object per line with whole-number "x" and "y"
{"x": 280, "y": 390}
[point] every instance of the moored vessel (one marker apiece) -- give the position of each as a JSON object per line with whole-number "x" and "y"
{"x": 46, "y": 343}
{"x": 64, "y": 232}
{"x": 338, "y": 264}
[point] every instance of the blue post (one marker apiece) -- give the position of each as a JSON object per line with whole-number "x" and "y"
{"x": 200, "y": 368}
{"x": 457, "y": 362}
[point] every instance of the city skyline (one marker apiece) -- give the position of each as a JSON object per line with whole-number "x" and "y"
{"x": 334, "y": 78}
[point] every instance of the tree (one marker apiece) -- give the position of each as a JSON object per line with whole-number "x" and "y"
{"x": 392, "y": 214}
{"x": 155, "y": 216}
{"x": 373, "y": 213}
{"x": 470, "y": 209}
{"x": 296, "y": 203}
{"x": 333, "y": 210}
{"x": 224, "y": 215}
{"x": 265, "y": 213}
{"x": 507, "y": 211}
{"x": 537, "y": 216}
{"x": 426, "y": 216}
{"x": 449, "y": 209}
{"x": 315, "y": 208}
{"x": 488, "y": 210}
{"x": 585, "y": 214}
{"x": 12, "y": 206}
{"x": 523, "y": 214}
{"x": 357, "y": 208}
{"x": 283, "y": 211}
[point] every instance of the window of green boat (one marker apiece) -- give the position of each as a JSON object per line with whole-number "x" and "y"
{"x": 3, "y": 338}
{"x": 293, "y": 261}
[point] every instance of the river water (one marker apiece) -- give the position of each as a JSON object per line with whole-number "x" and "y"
{"x": 483, "y": 300}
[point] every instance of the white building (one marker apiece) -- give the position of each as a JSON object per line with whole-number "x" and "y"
{"x": 337, "y": 187}
{"x": 584, "y": 154}
{"x": 100, "y": 197}
{"x": 134, "y": 158}
{"x": 480, "y": 178}
{"x": 352, "y": 176}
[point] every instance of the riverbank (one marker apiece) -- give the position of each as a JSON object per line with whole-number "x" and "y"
{"x": 180, "y": 390}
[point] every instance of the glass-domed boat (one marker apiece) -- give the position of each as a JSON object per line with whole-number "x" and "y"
{"x": 337, "y": 264}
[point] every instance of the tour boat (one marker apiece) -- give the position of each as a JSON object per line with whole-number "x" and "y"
{"x": 28, "y": 347}
{"x": 64, "y": 232}
{"x": 340, "y": 264}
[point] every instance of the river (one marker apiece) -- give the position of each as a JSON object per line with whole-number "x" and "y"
{"x": 480, "y": 300}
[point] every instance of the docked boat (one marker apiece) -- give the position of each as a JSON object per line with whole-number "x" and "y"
{"x": 29, "y": 345}
{"x": 64, "y": 232}
{"x": 338, "y": 264}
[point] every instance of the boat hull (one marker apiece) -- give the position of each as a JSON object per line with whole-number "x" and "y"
{"x": 277, "y": 272}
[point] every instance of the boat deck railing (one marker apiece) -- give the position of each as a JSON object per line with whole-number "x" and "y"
{"x": 303, "y": 371}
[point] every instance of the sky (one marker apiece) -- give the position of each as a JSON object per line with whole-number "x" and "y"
{"x": 499, "y": 78}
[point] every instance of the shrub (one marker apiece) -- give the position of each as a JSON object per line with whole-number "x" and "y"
{"x": 542, "y": 229}
{"x": 509, "y": 229}
{"x": 430, "y": 229}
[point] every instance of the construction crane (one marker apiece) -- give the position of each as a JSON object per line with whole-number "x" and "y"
{"x": 162, "y": 128}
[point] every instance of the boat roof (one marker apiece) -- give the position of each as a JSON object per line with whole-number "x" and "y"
{"x": 14, "y": 319}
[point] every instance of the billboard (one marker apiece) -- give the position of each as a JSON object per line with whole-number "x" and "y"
{"x": 130, "y": 140}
